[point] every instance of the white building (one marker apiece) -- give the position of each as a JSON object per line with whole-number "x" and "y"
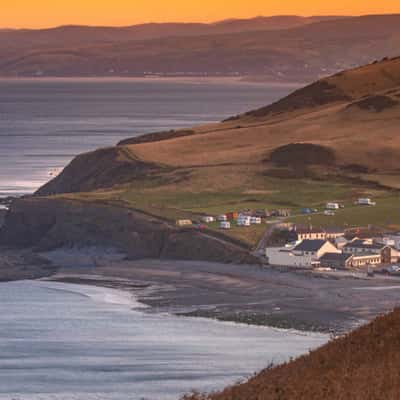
{"x": 255, "y": 220}
{"x": 208, "y": 219}
{"x": 306, "y": 254}
{"x": 365, "y": 202}
{"x": 332, "y": 206}
{"x": 392, "y": 240}
{"x": 244, "y": 220}
{"x": 222, "y": 218}
{"x": 225, "y": 225}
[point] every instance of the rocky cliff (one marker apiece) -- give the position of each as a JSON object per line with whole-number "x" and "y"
{"x": 99, "y": 169}
{"x": 50, "y": 223}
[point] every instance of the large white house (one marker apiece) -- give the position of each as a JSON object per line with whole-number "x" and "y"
{"x": 306, "y": 254}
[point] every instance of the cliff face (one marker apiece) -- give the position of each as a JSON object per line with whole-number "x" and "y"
{"x": 50, "y": 223}
{"x": 98, "y": 169}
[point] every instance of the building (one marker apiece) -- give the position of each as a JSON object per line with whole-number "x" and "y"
{"x": 284, "y": 256}
{"x": 232, "y": 215}
{"x": 365, "y": 247}
{"x": 244, "y": 220}
{"x": 366, "y": 259}
{"x": 184, "y": 222}
{"x": 299, "y": 234}
{"x": 222, "y": 218}
{"x": 365, "y": 202}
{"x": 392, "y": 240}
{"x": 340, "y": 242}
{"x": 255, "y": 220}
{"x": 225, "y": 225}
{"x": 332, "y": 206}
{"x": 311, "y": 233}
{"x": 336, "y": 260}
{"x": 305, "y": 255}
{"x": 348, "y": 261}
{"x": 315, "y": 248}
{"x": 208, "y": 219}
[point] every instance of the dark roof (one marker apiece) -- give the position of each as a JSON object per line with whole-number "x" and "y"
{"x": 359, "y": 244}
{"x": 310, "y": 245}
{"x": 335, "y": 257}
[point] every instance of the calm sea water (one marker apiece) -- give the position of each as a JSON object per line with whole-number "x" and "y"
{"x": 45, "y": 123}
{"x": 69, "y": 342}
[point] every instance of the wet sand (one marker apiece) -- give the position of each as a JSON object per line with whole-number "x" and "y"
{"x": 249, "y": 294}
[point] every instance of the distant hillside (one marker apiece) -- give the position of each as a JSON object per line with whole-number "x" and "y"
{"x": 285, "y": 48}
{"x": 363, "y": 365}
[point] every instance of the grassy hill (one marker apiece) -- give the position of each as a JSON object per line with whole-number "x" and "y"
{"x": 336, "y": 139}
{"x": 286, "y": 48}
{"x": 363, "y": 365}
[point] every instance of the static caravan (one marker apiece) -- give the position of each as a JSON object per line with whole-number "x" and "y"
{"x": 332, "y": 206}
{"x": 208, "y": 219}
{"x": 184, "y": 222}
{"x": 365, "y": 202}
{"x": 222, "y": 218}
{"x": 255, "y": 220}
{"x": 244, "y": 220}
{"x": 225, "y": 225}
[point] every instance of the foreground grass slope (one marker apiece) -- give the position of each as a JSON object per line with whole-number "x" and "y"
{"x": 363, "y": 365}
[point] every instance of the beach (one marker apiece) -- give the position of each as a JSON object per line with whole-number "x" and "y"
{"x": 250, "y": 294}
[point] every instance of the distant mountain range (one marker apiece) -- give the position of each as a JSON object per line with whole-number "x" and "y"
{"x": 281, "y": 48}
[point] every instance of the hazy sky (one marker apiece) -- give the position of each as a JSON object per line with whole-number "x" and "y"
{"x": 44, "y": 13}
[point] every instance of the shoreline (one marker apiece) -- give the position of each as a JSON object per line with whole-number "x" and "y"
{"x": 131, "y": 288}
{"x": 244, "y": 80}
{"x": 244, "y": 294}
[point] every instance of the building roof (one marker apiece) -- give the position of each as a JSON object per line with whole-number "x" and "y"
{"x": 359, "y": 244}
{"x": 336, "y": 257}
{"x": 366, "y": 254}
{"x": 310, "y": 245}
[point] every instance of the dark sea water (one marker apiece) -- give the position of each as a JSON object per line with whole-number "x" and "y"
{"x": 45, "y": 123}
{"x": 70, "y": 342}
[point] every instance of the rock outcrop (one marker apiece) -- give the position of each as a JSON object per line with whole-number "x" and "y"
{"x": 51, "y": 223}
{"x": 98, "y": 169}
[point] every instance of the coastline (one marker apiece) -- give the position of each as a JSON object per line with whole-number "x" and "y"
{"x": 239, "y": 293}
{"x": 244, "y": 80}
{"x": 244, "y": 294}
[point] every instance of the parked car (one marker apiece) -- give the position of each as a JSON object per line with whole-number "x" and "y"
{"x": 392, "y": 269}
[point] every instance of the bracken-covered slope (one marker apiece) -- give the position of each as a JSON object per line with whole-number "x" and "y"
{"x": 363, "y": 365}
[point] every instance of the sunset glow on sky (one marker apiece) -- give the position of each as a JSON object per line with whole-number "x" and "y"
{"x": 46, "y": 13}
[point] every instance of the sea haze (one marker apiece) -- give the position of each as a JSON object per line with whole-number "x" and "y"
{"x": 72, "y": 342}
{"x": 45, "y": 123}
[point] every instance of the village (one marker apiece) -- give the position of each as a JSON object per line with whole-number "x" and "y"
{"x": 286, "y": 244}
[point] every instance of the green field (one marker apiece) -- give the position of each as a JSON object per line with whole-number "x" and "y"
{"x": 270, "y": 194}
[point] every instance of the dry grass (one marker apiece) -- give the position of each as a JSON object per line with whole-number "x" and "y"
{"x": 364, "y": 365}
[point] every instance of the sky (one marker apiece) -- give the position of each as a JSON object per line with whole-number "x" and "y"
{"x": 47, "y": 13}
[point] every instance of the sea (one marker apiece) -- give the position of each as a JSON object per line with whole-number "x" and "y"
{"x": 44, "y": 123}
{"x": 75, "y": 342}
